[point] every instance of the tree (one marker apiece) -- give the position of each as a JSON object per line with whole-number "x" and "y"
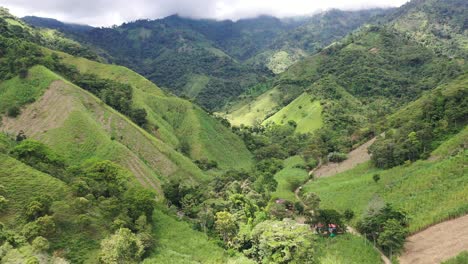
{"x": 393, "y": 237}
{"x": 105, "y": 178}
{"x": 138, "y": 116}
{"x": 121, "y": 247}
{"x": 40, "y": 244}
{"x": 13, "y": 111}
{"x": 282, "y": 242}
{"x": 226, "y": 225}
{"x": 139, "y": 202}
{"x": 376, "y": 178}
{"x": 329, "y": 216}
{"x": 348, "y": 214}
{"x": 374, "y": 225}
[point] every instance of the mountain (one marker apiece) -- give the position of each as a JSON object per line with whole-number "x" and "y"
{"x": 362, "y": 128}
{"x": 67, "y": 133}
{"x": 55, "y": 24}
{"x": 442, "y": 25}
{"x": 212, "y": 61}
{"x": 348, "y": 85}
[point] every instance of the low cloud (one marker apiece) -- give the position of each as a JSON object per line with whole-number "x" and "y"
{"x": 110, "y": 12}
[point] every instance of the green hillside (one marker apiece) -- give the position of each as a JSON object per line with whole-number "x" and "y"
{"x": 438, "y": 24}
{"x": 253, "y": 112}
{"x": 100, "y": 163}
{"x": 173, "y": 120}
{"x": 429, "y": 191}
{"x": 303, "y": 110}
{"x": 79, "y": 126}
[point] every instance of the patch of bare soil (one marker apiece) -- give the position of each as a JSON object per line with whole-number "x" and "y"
{"x": 355, "y": 157}
{"x": 437, "y": 243}
{"x": 47, "y": 113}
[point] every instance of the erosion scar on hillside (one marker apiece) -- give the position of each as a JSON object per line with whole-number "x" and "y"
{"x": 437, "y": 243}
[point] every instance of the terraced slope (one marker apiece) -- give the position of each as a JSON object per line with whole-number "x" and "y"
{"x": 79, "y": 126}
{"x": 173, "y": 120}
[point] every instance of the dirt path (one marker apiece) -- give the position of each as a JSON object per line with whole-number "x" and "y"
{"x": 437, "y": 243}
{"x": 355, "y": 157}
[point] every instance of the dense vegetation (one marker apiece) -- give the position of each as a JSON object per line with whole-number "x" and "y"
{"x": 211, "y": 61}
{"x": 100, "y": 165}
{"x": 97, "y": 194}
{"x": 419, "y": 129}
{"x": 12, "y": 27}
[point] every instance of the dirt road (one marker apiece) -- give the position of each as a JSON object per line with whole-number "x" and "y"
{"x": 355, "y": 157}
{"x": 437, "y": 243}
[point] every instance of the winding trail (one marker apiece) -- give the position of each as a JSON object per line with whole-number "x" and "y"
{"x": 437, "y": 243}
{"x": 355, "y": 157}
{"x": 430, "y": 246}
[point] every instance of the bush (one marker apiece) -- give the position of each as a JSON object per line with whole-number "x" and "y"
{"x": 40, "y": 244}
{"x": 337, "y": 157}
{"x": 3, "y": 203}
{"x": 13, "y": 111}
{"x": 121, "y": 247}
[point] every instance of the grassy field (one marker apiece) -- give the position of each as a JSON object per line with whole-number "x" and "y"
{"x": 178, "y": 243}
{"x": 175, "y": 120}
{"x": 430, "y": 191}
{"x": 290, "y": 178}
{"x": 21, "y": 183}
{"x": 304, "y": 111}
{"x": 20, "y": 91}
{"x": 254, "y": 112}
{"x": 79, "y": 126}
{"x": 348, "y": 249}
{"x": 462, "y": 258}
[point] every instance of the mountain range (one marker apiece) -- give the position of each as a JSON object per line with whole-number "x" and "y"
{"x": 181, "y": 140}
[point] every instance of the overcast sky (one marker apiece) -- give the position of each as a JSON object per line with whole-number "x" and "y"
{"x": 110, "y": 12}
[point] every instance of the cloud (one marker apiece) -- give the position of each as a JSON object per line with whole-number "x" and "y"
{"x": 109, "y": 12}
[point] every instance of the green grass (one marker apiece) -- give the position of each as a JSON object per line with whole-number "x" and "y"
{"x": 174, "y": 120}
{"x": 21, "y": 183}
{"x": 348, "y": 249}
{"x": 195, "y": 85}
{"x": 87, "y": 128}
{"x": 178, "y": 243}
{"x": 429, "y": 191}
{"x": 462, "y": 258}
{"x": 254, "y": 112}
{"x": 452, "y": 145}
{"x": 18, "y": 91}
{"x": 304, "y": 111}
{"x": 290, "y": 178}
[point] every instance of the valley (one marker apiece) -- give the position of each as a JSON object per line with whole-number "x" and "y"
{"x": 335, "y": 137}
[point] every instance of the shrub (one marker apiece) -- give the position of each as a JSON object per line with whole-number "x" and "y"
{"x": 337, "y": 157}
{"x": 376, "y": 178}
{"x": 3, "y": 203}
{"x": 121, "y": 247}
{"x": 40, "y": 244}
{"x": 13, "y": 111}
